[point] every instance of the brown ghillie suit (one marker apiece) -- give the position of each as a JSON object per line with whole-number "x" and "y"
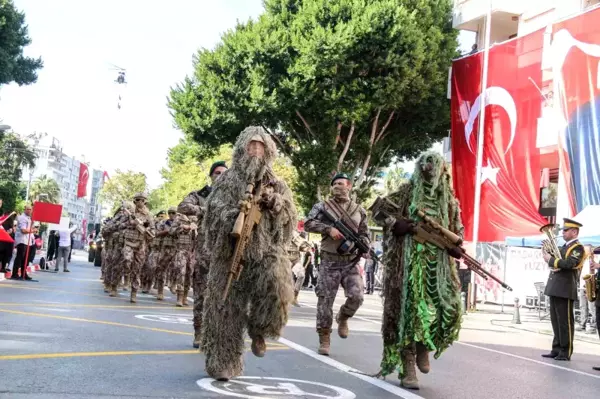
{"x": 259, "y": 301}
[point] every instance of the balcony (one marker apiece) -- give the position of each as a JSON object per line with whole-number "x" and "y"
{"x": 470, "y": 15}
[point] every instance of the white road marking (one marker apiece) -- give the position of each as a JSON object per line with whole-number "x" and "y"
{"x": 529, "y": 360}
{"x": 401, "y": 393}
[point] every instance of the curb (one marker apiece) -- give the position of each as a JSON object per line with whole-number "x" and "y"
{"x": 30, "y": 269}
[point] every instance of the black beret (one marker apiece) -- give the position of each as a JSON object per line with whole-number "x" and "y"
{"x": 216, "y": 165}
{"x": 340, "y": 176}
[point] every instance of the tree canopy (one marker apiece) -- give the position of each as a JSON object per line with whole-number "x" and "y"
{"x": 342, "y": 85}
{"x": 15, "y": 155}
{"x": 122, "y": 187}
{"x": 14, "y": 66}
{"x": 45, "y": 185}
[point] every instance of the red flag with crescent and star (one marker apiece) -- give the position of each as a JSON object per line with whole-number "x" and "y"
{"x": 510, "y": 174}
{"x": 84, "y": 175}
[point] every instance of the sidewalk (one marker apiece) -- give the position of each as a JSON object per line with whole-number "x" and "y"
{"x": 491, "y": 316}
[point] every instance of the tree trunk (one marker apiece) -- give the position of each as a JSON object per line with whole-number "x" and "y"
{"x": 345, "y": 151}
{"x": 363, "y": 171}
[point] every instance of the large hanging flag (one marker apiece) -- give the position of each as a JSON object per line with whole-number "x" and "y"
{"x": 575, "y": 59}
{"x": 84, "y": 176}
{"x": 510, "y": 174}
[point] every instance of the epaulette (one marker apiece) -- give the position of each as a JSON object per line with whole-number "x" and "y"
{"x": 205, "y": 192}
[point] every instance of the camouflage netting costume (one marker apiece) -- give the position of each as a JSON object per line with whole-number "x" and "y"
{"x": 259, "y": 301}
{"x": 422, "y": 309}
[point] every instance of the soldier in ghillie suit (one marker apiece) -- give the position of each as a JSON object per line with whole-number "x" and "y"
{"x": 339, "y": 266}
{"x": 422, "y": 309}
{"x": 259, "y": 301}
{"x": 194, "y": 206}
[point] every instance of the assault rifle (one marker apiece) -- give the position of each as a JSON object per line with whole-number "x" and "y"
{"x": 139, "y": 224}
{"x": 249, "y": 216}
{"x": 427, "y": 230}
{"x": 352, "y": 241}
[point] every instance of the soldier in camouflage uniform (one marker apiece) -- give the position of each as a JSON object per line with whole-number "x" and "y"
{"x": 337, "y": 267}
{"x": 184, "y": 231}
{"x": 193, "y": 205}
{"x": 135, "y": 232}
{"x": 298, "y": 248}
{"x": 114, "y": 257}
{"x": 107, "y": 237}
{"x": 167, "y": 252}
{"x": 148, "y": 271}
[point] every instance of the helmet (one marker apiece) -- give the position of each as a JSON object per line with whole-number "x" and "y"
{"x": 140, "y": 196}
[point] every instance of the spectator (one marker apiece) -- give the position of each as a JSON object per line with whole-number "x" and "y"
{"x": 52, "y": 246}
{"x": 22, "y": 237}
{"x": 35, "y": 243}
{"x": 64, "y": 247}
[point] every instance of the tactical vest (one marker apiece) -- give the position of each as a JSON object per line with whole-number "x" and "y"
{"x": 168, "y": 240}
{"x": 329, "y": 244}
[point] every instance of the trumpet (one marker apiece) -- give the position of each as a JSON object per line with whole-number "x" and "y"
{"x": 549, "y": 245}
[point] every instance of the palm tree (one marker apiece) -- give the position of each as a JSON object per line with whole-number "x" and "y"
{"x": 47, "y": 186}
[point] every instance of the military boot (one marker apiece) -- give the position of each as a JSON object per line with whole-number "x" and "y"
{"x": 259, "y": 347}
{"x": 422, "y": 358}
{"x": 224, "y": 375}
{"x": 185, "y": 297}
{"x": 342, "y": 321}
{"x": 113, "y": 291}
{"x": 179, "y": 299}
{"x": 126, "y": 283}
{"x": 132, "y": 299}
{"x": 173, "y": 287}
{"x": 145, "y": 288}
{"x": 295, "y": 302}
{"x": 160, "y": 295}
{"x": 197, "y": 336}
{"x": 408, "y": 378}
{"x": 106, "y": 288}
{"x": 324, "y": 340}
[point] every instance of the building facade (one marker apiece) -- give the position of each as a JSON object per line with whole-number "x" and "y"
{"x": 96, "y": 213}
{"x": 55, "y": 164}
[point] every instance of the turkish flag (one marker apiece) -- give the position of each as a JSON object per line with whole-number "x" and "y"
{"x": 510, "y": 183}
{"x": 46, "y": 213}
{"x": 575, "y": 58}
{"x": 84, "y": 175}
{"x": 105, "y": 176}
{"x": 5, "y": 237}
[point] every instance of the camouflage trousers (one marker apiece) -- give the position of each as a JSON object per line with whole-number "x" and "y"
{"x": 299, "y": 272}
{"x": 149, "y": 268}
{"x": 166, "y": 257}
{"x": 104, "y": 256}
{"x": 331, "y": 275}
{"x": 113, "y": 258}
{"x": 199, "y": 280}
{"x": 182, "y": 267}
{"x": 130, "y": 265}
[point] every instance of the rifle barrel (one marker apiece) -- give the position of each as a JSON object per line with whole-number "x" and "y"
{"x": 476, "y": 267}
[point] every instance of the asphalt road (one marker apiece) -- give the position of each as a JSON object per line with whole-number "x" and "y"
{"x": 63, "y": 337}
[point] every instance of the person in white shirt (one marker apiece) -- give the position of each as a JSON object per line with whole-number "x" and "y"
{"x": 64, "y": 246}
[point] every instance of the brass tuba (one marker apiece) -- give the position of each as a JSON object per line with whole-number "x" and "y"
{"x": 549, "y": 245}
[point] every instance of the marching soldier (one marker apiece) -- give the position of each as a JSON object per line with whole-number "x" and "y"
{"x": 193, "y": 205}
{"x": 114, "y": 257}
{"x": 562, "y": 290}
{"x": 136, "y": 228}
{"x": 184, "y": 231}
{"x": 336, "y": 266}
{"x": 167, "y": 252}
{"x": 149, "y": 268}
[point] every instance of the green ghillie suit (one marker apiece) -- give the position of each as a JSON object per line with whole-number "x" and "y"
{"x": 422, "y": 309}
{"x": 259, "y": 301}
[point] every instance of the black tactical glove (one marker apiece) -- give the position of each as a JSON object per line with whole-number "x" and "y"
{"x": 455, "y": 252}
{"x": 403, "y": 227}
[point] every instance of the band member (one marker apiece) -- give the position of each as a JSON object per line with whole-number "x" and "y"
{"x": 562, "y": 290}
{"x": 595, "y": 268}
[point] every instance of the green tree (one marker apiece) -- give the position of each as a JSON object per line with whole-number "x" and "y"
{"x": 122, "y": 187}
{"x": 15, "y": 155}
{"x": 48, "y": 186}
{"x": 341, "y": 85}
{"x": 393, "y": 179}
{"x": 14, "y": 67}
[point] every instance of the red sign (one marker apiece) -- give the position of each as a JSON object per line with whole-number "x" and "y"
{"x": 46, "y": 213}
{"x": 84, "y": 176}
{"x": 510, "y": 174}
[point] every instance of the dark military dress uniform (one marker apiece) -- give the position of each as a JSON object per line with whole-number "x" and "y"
{"x": 562, "y": 290}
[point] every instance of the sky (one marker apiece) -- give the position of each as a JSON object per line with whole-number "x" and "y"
{"x": 75, "y": 98}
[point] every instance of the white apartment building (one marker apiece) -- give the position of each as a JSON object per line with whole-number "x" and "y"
{"x": 55, "y": 164}
{"x": 96, "y": 212}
